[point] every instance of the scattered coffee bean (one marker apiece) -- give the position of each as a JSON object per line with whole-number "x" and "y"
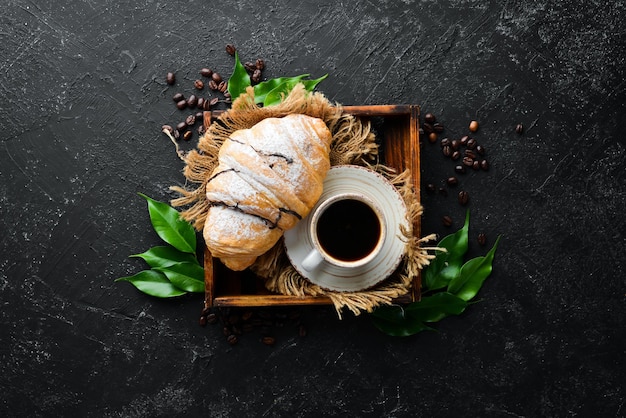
{"x": 432, "y": 137}
{"x": 213, "y": 85}
{"x": 260, "y": 64}
{"x": 445, "y": 142}
{"x": 268, "y": 340}
{"x": 438, "y": 127}
{"x": 447, "y": 151}
{"x": 455, "y": 155}
{"x": 473, "y": 126}
{"x": 471, "y": 143}
{"x": 190, "y": 120}
{"x": 482, "y": 238}
{"x": 176, "y": 134}
{"x": 200, "y": 103}
{"x": 178, "y": 97}
{"x": 256, "y": 76}
{"x": 222, "y": 86}
{"x": 464, "y": 140}
{"x": 167, "y": 128}
{"x": 199, "y": 115}
{"x": 452, "y": 181}
{"x": 476, "y": 165}
{"x": 484, "y": 164}
{"x": 463, "y": 197}
{"x": 455, "y": 144}
{"x": 250, "y": 66}
{"x": 431, "y": 188}
{"x": 187, "y": 135}
{"x": 467, "y": 161}
{"x": 430, "y": 118}
{"x": 192, "y": 101}
{"x": 446, "y": 220}
{"x": 181, "y": 126}
{"x": 469, "y": 153}
{"x": 216, "y": 77}
{"x": 519, "y": 128}
{"x": 181, "y": 104}
{"x": 202, "y": 321}
{"x": 206, "y": 72}
{"x": 480, "y": 149}
{"x": 198, "y": 84}
{"x": 428, "y": 127}
{"x": 170, "y": 78}
{"x": 232, "y": 339}
{"x": 230, "y": 49}
{"x": 214, "y": 101}
{"x": 460, "y": 169}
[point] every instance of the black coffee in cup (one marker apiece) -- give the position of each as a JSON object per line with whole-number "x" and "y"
{"x": 348, "y": 230}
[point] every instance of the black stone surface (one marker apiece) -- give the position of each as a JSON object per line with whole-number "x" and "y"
{"x": 83, "y": 97}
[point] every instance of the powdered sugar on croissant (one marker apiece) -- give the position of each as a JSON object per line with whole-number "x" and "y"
{"x": 268, "y": 178}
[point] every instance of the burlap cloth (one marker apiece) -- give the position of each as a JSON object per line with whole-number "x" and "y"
{"x": 353, "y": 143}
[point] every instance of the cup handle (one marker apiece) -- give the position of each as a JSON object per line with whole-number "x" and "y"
{"x": 312, "y": 260}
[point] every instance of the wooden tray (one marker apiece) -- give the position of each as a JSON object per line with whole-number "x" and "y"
{"x": 397, "y": 127}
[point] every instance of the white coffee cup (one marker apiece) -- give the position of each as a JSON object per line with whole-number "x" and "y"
{"x": 347, "y": 230}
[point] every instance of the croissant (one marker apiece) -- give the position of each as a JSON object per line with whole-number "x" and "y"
{"x": 268, "y": 178}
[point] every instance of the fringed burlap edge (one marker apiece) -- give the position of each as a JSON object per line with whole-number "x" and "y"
{"x": 353, "y": 143}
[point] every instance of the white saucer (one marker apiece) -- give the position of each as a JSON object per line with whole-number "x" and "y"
{"x": 342, "y": 179}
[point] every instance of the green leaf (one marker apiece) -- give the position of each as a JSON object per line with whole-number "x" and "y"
{"x": 153, "y": 283}
{"x": 168, "y": 224}
{"x": 473, "y": 274}
{"x": 447, "y": 264}
{"x": 239, "y": 80}
{"x": 309, "y": 85}
{"x": 436, "y": 307}
{"x": 185, "y": 276}
{"x": 164, "y": 256}
{"x": 277, "y": 94}
{"x": 393, "y": 320}
{"x": 263, "y": 88}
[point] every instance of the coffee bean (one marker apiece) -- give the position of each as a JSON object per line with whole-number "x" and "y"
{"x": 446, "y": 220}
{"x": 230, "y": 49}
{"x": 476, "y": 165}
{"x": 430, "y": 118}
{"x": 181, "y": 126}
{"x": 469, "y": 153}
{"x": 202, "y": 321}
{"x": 437, "y": 127}
{"x": 226, "y": 331}
{"x": 214, "y": 101}
{"x": 268, "y": 340}
{"x": 232, "y": 339}
{"x": 199, "y": 115}
{"x": 447, "y": 151}
{"x": 464, "y": 140}
{"x": 460, "y": 169}
{"x": 428, "y": 127}
{"x": 198, "y": 84}
{"x": 216, "y": 77}
{"x": 484, "y": 164}
{"x": 480, "y": 149}
{"x": 187, "y": 135}
{"x": 519, "y": 128}
{"x": 471, "y": 143}
{"x": 200, "y": 103}
{"x": 467, "y": 161}
{"x": 432, "y": 137}
{"x": 181, "y": 104}
{"x": 206, "y": 72}
{"x": 455, "y": 155}
{"x": 260, "y": 64}
{"x": 250, "y": 67}
{"x": 473, "y": 126}
{"x": 443, "y": 191}
{"x": 178, "y": 97}
{"x": 463, "y": 197}
{"x": 256, "y": 76}
{"x": 222, "y": 86}
{"x": 430, "y": 188}
{"x": 190, "y": 120}
{"x": 452, "y": 181}
{"x": 482, "y": 238}
{"x": 455, "y": 144}
{"x": 170, "y": 78}
{"x": 176, "y": 134}
{"x": 213, "y": 85}
{"x": 192, "y": 101}
{"x": 445, "y": 142}
{"x": 167, "y": 128}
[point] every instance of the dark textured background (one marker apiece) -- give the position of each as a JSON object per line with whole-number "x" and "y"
{"x": 83, "y": 97}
